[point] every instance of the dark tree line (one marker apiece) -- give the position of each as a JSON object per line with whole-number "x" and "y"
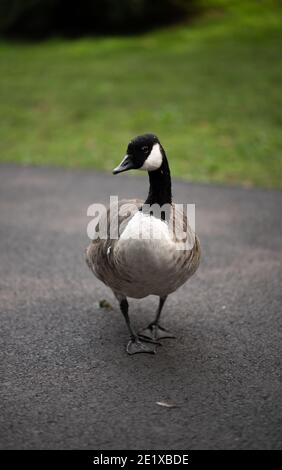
{"x": 42, "y": 18}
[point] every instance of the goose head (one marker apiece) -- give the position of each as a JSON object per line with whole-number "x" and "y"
{"x": 144, "y": 152}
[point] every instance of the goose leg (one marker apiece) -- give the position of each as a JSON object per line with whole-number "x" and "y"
{"x": 154, "y": 330}
{"x": 136, "y": 344}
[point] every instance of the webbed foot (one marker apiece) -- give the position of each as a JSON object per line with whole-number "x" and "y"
{"x": 155, "y": 332}
{"x": 139, "y": 345}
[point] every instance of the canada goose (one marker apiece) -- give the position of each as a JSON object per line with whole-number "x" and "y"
{"x": 138, "y": 267}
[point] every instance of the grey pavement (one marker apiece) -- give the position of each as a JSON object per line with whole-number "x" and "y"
{"x": 66, "y": 381}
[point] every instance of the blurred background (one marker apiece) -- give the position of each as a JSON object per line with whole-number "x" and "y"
{"x": 79, "y": 79}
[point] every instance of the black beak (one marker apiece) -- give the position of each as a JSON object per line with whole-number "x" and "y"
{"x": 125, "y": 165}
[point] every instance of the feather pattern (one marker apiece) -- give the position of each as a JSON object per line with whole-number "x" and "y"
{"x": 140, "y": 267}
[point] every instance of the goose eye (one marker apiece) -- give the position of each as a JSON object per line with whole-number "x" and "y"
{"x": 145, "y": 149}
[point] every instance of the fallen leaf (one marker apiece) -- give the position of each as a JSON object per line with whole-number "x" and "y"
{"x": 166, "y": 404}
{"x": 105, "y": 304}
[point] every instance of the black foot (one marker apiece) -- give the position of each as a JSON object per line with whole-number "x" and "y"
{"x": 141, "y": 345}
{"x": 155, "y": 332}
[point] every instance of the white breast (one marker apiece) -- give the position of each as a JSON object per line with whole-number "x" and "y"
{"x": 145, "y": 227}
{"x": 147, "y": 257}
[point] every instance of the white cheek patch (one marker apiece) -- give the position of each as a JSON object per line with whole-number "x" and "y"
{"x": 154, "y": 160}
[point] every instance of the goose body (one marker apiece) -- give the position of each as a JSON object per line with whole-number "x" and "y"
{"x": 146, "y": 266}
{"x": 147, "y": 258}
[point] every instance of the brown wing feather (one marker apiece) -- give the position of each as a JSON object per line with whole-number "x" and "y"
{"x": 99, "y": 253}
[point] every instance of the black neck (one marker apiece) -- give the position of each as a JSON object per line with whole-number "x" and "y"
{"x": 160, "y": 185}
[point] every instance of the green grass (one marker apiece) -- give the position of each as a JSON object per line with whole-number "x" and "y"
{"x": 211, "y": 90}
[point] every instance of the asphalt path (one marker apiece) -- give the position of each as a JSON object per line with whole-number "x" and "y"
{"x": 66, "y": 380}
